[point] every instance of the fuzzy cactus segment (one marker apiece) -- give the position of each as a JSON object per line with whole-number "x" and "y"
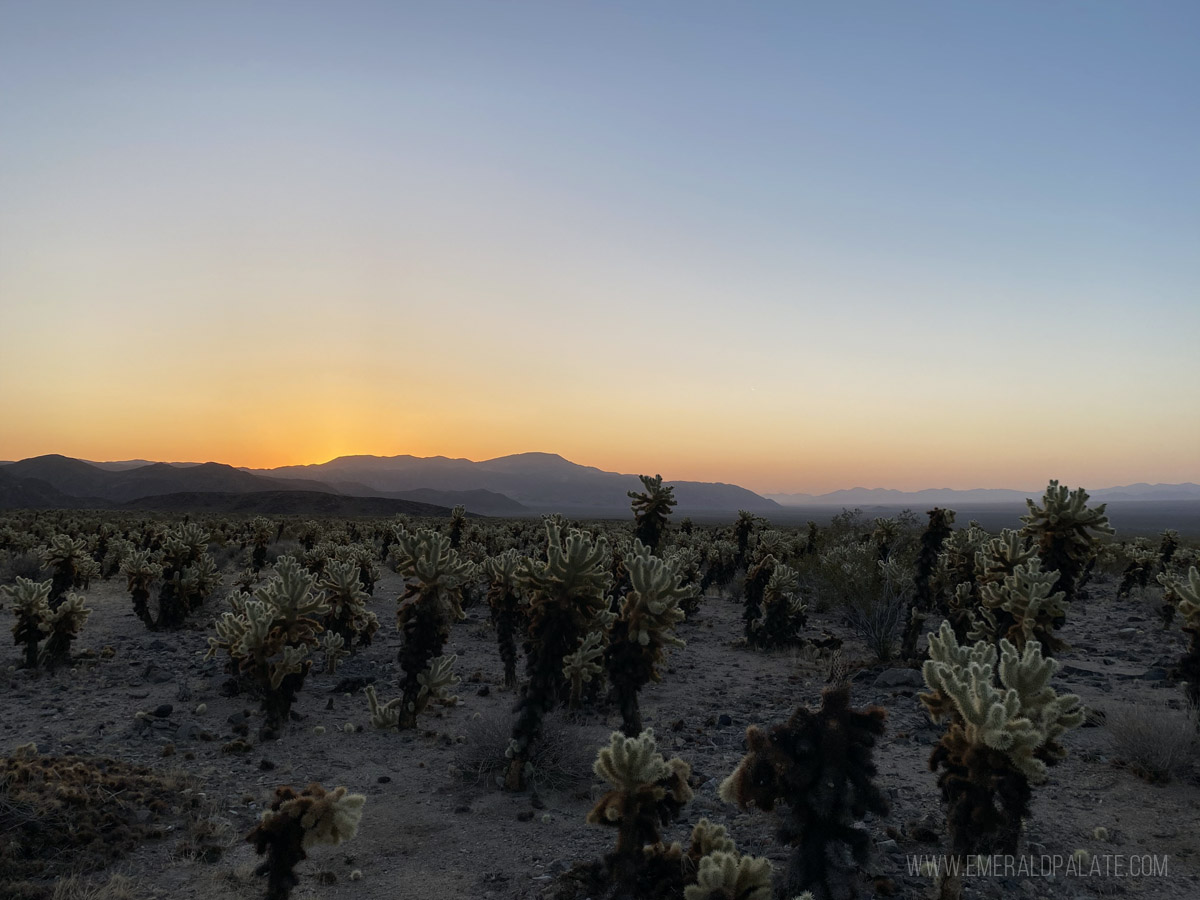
{"x": 1005, "y": 722}
{"x": 504, "y": 601}
{"x": 651, "y": 510}
{"x": 296, "y": 822}
{"x": 1025, "y": 606}
{"x": 727, "y": 876}
{"x": 31, "y": 606}
{"x": 819, "y": 763}
{"x": 647, "y": 792}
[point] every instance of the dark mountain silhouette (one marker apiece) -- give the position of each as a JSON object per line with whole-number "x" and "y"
{"x": 283, "y": 503}
{"x": 77, "y": 478}
{"x": 34, "y": 493}
{"x": 543, "y": 482}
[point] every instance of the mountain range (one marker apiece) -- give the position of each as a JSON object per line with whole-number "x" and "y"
{"x": 519, "y": 485}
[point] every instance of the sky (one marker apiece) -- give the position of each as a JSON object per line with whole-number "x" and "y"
{"x": 792, "y": 246}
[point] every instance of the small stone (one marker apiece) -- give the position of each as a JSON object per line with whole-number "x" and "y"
{"x": 163, "y": 710}
{"x": 900, "y": 678}
{"x": 383, "y": 779}
{"x": 525, "y": 815}
{"x": 724, "y": 720}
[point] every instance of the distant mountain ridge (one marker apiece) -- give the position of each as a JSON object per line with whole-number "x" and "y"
{"x": 542, "y": 482}
{"x": 947, "y": 496}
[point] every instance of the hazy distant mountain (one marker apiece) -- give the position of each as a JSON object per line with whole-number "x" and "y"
{"x": 979, "y": 496}
{"x": 284, "y": 503}
{"x": 485, "y": 503}
{"x": 543, "y": 482}
{"x": 34, "y": 493}
{"x": 76, "y": 478}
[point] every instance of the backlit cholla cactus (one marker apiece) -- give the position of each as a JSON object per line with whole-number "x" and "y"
{"x": 651, "y": 511}
{"x": 30, "y": 604}
{"x": 37, "y": 619}
{"x": 348, "y": 616}
{"x": 269, "y": 634}
{"x": 432, "y": 687}
{"x": 1023, "y": 607}
{"x": 643, "y": 631}
{"x": 61, "y": 625}
{"x": 648, "y": 792}
{"x": 1005, "y": 722}
{"x": 1142, "y": 559}
{"x": 262, "y": 530}
{"x": 940, "y": 527}
{"x": 784, "y": 614}
{"x": 582, "y": 667}
{"x": 1064, "y": 531}
{"x": 431, "y": 602}
{"x": 1188, "y": 606}
{"x": 504, "y": 601}
{"x": 728, "y": 876}
{"x": 71, "y": 563}
{"x": 567, "y": 599}
{"x": 819, "y": 763}
{"x": 295, "y": 823}
{"x": 141, "y": 571}
{"x": 999, "y": 557}
{"x": 188, "y": 572}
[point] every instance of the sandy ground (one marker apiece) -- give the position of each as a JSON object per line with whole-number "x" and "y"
{"x": 434, "y": 827}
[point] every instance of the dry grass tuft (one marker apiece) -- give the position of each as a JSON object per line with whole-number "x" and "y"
{"x": 1156, "y": 741}
{"x": 560, "y": 760}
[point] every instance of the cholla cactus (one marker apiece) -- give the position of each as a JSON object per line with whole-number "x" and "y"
{"x": 784, "y": 614}
{"x": 1002, "y": 736}
{"x": 31, "y": 606}
{"x": 1000, "y": 556}
{"x": 1188, "y": 606}
{"x": 348, "y": 616}
{"x": 643, "y": 630}
{"x": 932, "y": 538}
{"x": 72, "y": 565}
{"x": 434, "y": 683}
{"x": 1064, "y": 531}
{"x": 427, "y": 608}
{"x": 294, "y": 824}
{"x": 648, "y": 791}
{"x": 567, "y": 599}
{"x": 188, "y": 572}
{"x": 504, "y": 601}
{"x": 581, "y": 667}
{"x": 727, "y": 876}
{"x": 651, "y": 511}
{"x": 458, "y": 518}
{"x": 61, "y": 626}
{"x": 268, "y": 636}
{"x": 383, "y": 715}
{"x": 141, "y": 571}
{"x": 1025, "y": 607}
{"x": 261, "y": 531}
{"x": 334, "y": 647}
{"x": 1142, "y": 560}
{"x": 818, "y": 763}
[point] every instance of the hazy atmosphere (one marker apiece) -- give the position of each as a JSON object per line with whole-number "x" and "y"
{"x": 795, "y": 247}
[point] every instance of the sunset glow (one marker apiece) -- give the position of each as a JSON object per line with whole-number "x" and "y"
{"x": 792, "y": 247}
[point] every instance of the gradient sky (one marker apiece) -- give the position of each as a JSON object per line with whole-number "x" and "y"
{"x": 795, "y": 246}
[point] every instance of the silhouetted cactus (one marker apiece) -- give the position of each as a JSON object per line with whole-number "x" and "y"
{"x": 294, "y": 823}
{"x": 188, "y": 574}
{"x": 504, "y": 601}
{"x": 652, "y": 511}
{"x": 1188, "y": 594}
{"x": 268, "y": 636}
{"x": 428, "y": 607}
{"x": 567, "y": 599}
{"x": 644, "y": 629}
{"x": 141, "y": 571}
{"x": 819, "y": 764}
{"x": 30, "y": 604}
{"x": 70, "y": 564}
{"x": 1064, "y": 532}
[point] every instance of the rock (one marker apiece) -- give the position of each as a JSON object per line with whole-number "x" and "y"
{"x": 163, "y": 710}
{"x": 158, "y": 645}
{"x": 900, "y": 678}
{"x": 1156, "y": 673}
{"x": 156, "y": 674}
{"x": 724, "y": 720}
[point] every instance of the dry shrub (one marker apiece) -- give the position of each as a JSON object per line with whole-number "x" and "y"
{"x": 1154, "y": 739}
{"x": 118, "y": 887}
{"x": 561, "y": 759}
{"x": 68, "y": 815}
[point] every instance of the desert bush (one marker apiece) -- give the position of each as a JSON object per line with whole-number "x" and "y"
{"x": 1156, "y": 741}
{"x": 1005, "y": 722}
{"x": 296, "y": 822}
{"x": 20, "y": 564}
